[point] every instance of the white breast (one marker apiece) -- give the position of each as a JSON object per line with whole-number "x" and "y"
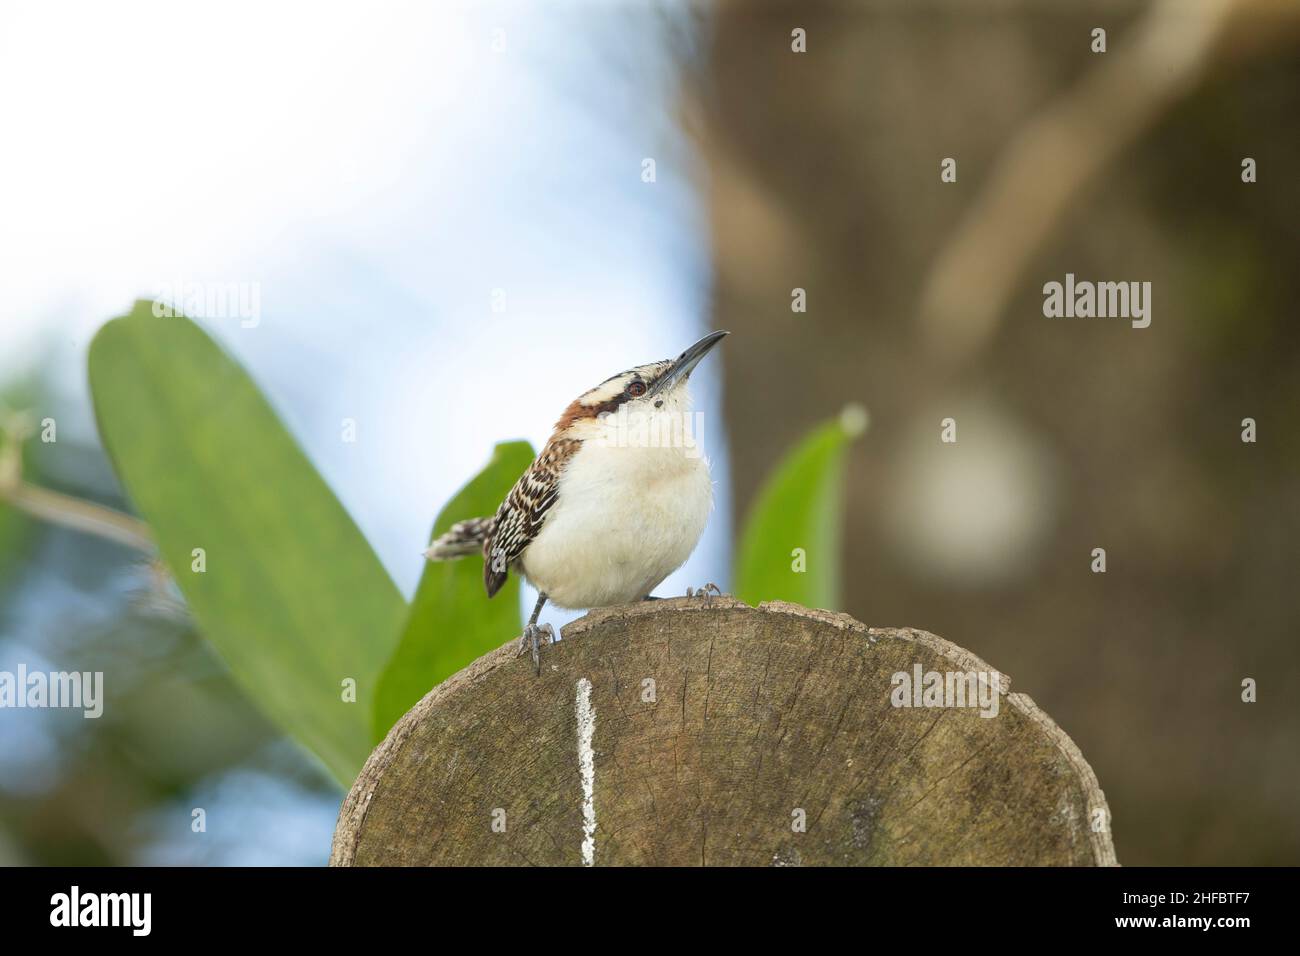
{"x": 624, "y": 519}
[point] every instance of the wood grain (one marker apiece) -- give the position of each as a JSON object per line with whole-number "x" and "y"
{"x": 717, "y": 728}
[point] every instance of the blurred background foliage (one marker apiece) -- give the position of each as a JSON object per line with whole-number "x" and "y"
{"x": 1072, "y": 435}
{"x": 798, "y": 517}
{"x": 816, "y": 171}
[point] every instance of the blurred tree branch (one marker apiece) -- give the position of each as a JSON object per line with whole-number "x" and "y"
{"x": 1076, "y": 136}
{"x": 56, "y": 507}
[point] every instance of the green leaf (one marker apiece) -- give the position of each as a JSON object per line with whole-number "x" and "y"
{"x": 800, "y": 506}
{"x": 452, "y": 622}
{"x": 292, "y": 597}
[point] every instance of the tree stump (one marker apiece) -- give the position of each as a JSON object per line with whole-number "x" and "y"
{"x": 680, "y": 732}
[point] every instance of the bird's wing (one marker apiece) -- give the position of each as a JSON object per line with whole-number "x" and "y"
{"x": 521, "y": 515}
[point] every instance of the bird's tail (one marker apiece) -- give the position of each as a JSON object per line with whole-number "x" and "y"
{"x": 464, "y": 537}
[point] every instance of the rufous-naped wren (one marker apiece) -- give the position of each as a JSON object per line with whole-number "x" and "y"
{"x": 615, "y": 502}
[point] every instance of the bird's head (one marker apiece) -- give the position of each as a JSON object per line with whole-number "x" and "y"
{"x": 639, "y": 395}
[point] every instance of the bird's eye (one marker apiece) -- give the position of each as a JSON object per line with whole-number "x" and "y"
{"x": 636, "y": 389}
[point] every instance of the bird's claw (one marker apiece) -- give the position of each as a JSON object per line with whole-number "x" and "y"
{"x": 533, "y": 638}
{"x": 706, "y": 592}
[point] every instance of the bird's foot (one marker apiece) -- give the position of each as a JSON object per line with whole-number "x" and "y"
{"x": 533, "y": 638}
{"x": 705, "y": 592}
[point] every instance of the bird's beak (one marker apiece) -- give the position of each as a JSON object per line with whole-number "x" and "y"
{"x": 681, "y": 369}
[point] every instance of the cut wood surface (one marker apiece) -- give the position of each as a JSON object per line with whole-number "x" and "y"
{"x": 683, "y": 733}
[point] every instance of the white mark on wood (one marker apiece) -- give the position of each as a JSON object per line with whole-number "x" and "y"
{"x": 587, "y": 768}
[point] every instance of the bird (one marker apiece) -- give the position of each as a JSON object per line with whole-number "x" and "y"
{"x": 615, "y": 501}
